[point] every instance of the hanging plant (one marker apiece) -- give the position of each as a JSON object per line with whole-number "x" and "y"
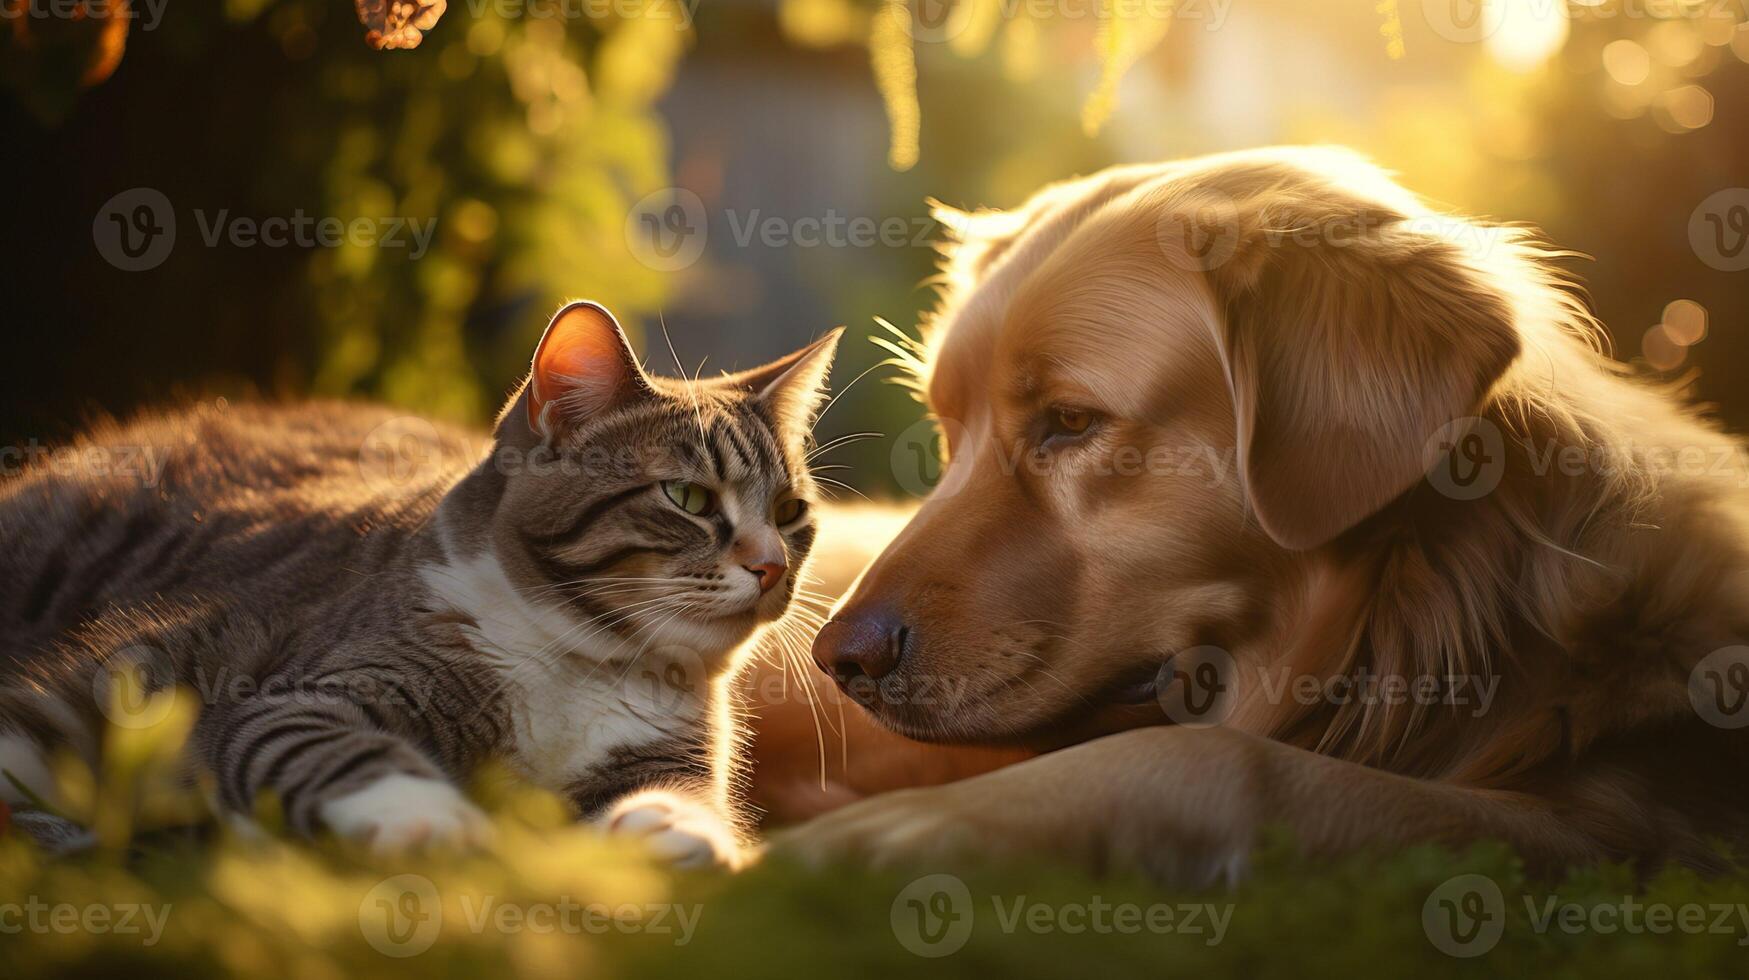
{"x": 48, "y": 55}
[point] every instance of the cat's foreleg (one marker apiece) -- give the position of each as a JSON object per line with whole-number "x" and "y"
{"x": 679, "y": 828}
{"x": 331, "y": 767}
{"x": 669, "y": 796}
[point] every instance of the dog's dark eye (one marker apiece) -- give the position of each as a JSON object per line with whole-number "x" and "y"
{"x": 1068, "y": 423}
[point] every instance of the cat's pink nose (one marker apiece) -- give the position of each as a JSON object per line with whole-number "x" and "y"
{"x": 769, "y": 573}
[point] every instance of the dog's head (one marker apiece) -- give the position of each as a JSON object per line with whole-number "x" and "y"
{"x": 1161, "y": 388}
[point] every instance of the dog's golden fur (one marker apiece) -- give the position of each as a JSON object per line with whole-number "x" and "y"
{"x": 1297, "y": 311}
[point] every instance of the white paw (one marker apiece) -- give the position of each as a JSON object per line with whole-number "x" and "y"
{"x": 401, "y": 813}
{"x": 676, "y": 830}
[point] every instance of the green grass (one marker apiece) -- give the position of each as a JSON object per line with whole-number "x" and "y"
{"x": 271, "y": 907}
{"x": 284, "y": 909}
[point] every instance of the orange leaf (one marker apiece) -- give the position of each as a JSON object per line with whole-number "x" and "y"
{"x": 398, "y": 23}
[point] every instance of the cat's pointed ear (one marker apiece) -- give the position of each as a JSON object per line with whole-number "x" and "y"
{"x": 792, "y": 387}
{"x": 583, "y": 365}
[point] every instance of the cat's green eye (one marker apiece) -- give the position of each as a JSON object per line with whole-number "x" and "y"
{"x": 787, "y": 511}
{"x": 690, "y": 497}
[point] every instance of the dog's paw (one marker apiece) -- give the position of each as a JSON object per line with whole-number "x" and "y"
{"x": 1072, "y": 805}
{"x": 401, "y": 813}
{"x": 905, "y": 828}
{"x": 677, "y": 830}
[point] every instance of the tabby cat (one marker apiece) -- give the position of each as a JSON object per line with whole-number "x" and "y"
{"x": 362, "y": 636}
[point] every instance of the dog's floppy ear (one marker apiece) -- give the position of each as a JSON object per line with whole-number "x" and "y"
{"x": 1351, "y": 338}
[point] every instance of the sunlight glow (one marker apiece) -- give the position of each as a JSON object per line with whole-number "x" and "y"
{"x": 1529, "y": 34}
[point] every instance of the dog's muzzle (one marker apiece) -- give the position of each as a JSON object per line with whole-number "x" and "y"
{"x": 861, "y": 646}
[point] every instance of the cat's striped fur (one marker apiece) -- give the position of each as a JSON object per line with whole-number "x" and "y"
{"x": 360, "y": 639}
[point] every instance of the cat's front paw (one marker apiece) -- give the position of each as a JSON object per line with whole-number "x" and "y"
{"x": 677, "y": 830}
{"x": 401, "y": 813}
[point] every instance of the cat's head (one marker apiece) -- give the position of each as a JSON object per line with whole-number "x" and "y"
{"x": 658, "y": 511}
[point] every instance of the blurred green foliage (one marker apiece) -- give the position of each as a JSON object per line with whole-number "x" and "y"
{"x": 529, "y": 140}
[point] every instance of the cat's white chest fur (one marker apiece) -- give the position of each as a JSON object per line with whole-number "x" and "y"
{"x": 574, "y": 693}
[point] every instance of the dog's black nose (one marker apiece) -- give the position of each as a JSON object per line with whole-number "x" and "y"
{"x": 869, "y": 643}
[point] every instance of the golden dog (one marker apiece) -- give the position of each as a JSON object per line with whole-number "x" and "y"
{"x": 1261, "y": 444}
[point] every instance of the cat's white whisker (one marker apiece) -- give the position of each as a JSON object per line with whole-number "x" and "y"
{"x": 843, "y": 440}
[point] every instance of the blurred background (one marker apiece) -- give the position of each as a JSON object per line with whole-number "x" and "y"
{"x": 745, "y": 174}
